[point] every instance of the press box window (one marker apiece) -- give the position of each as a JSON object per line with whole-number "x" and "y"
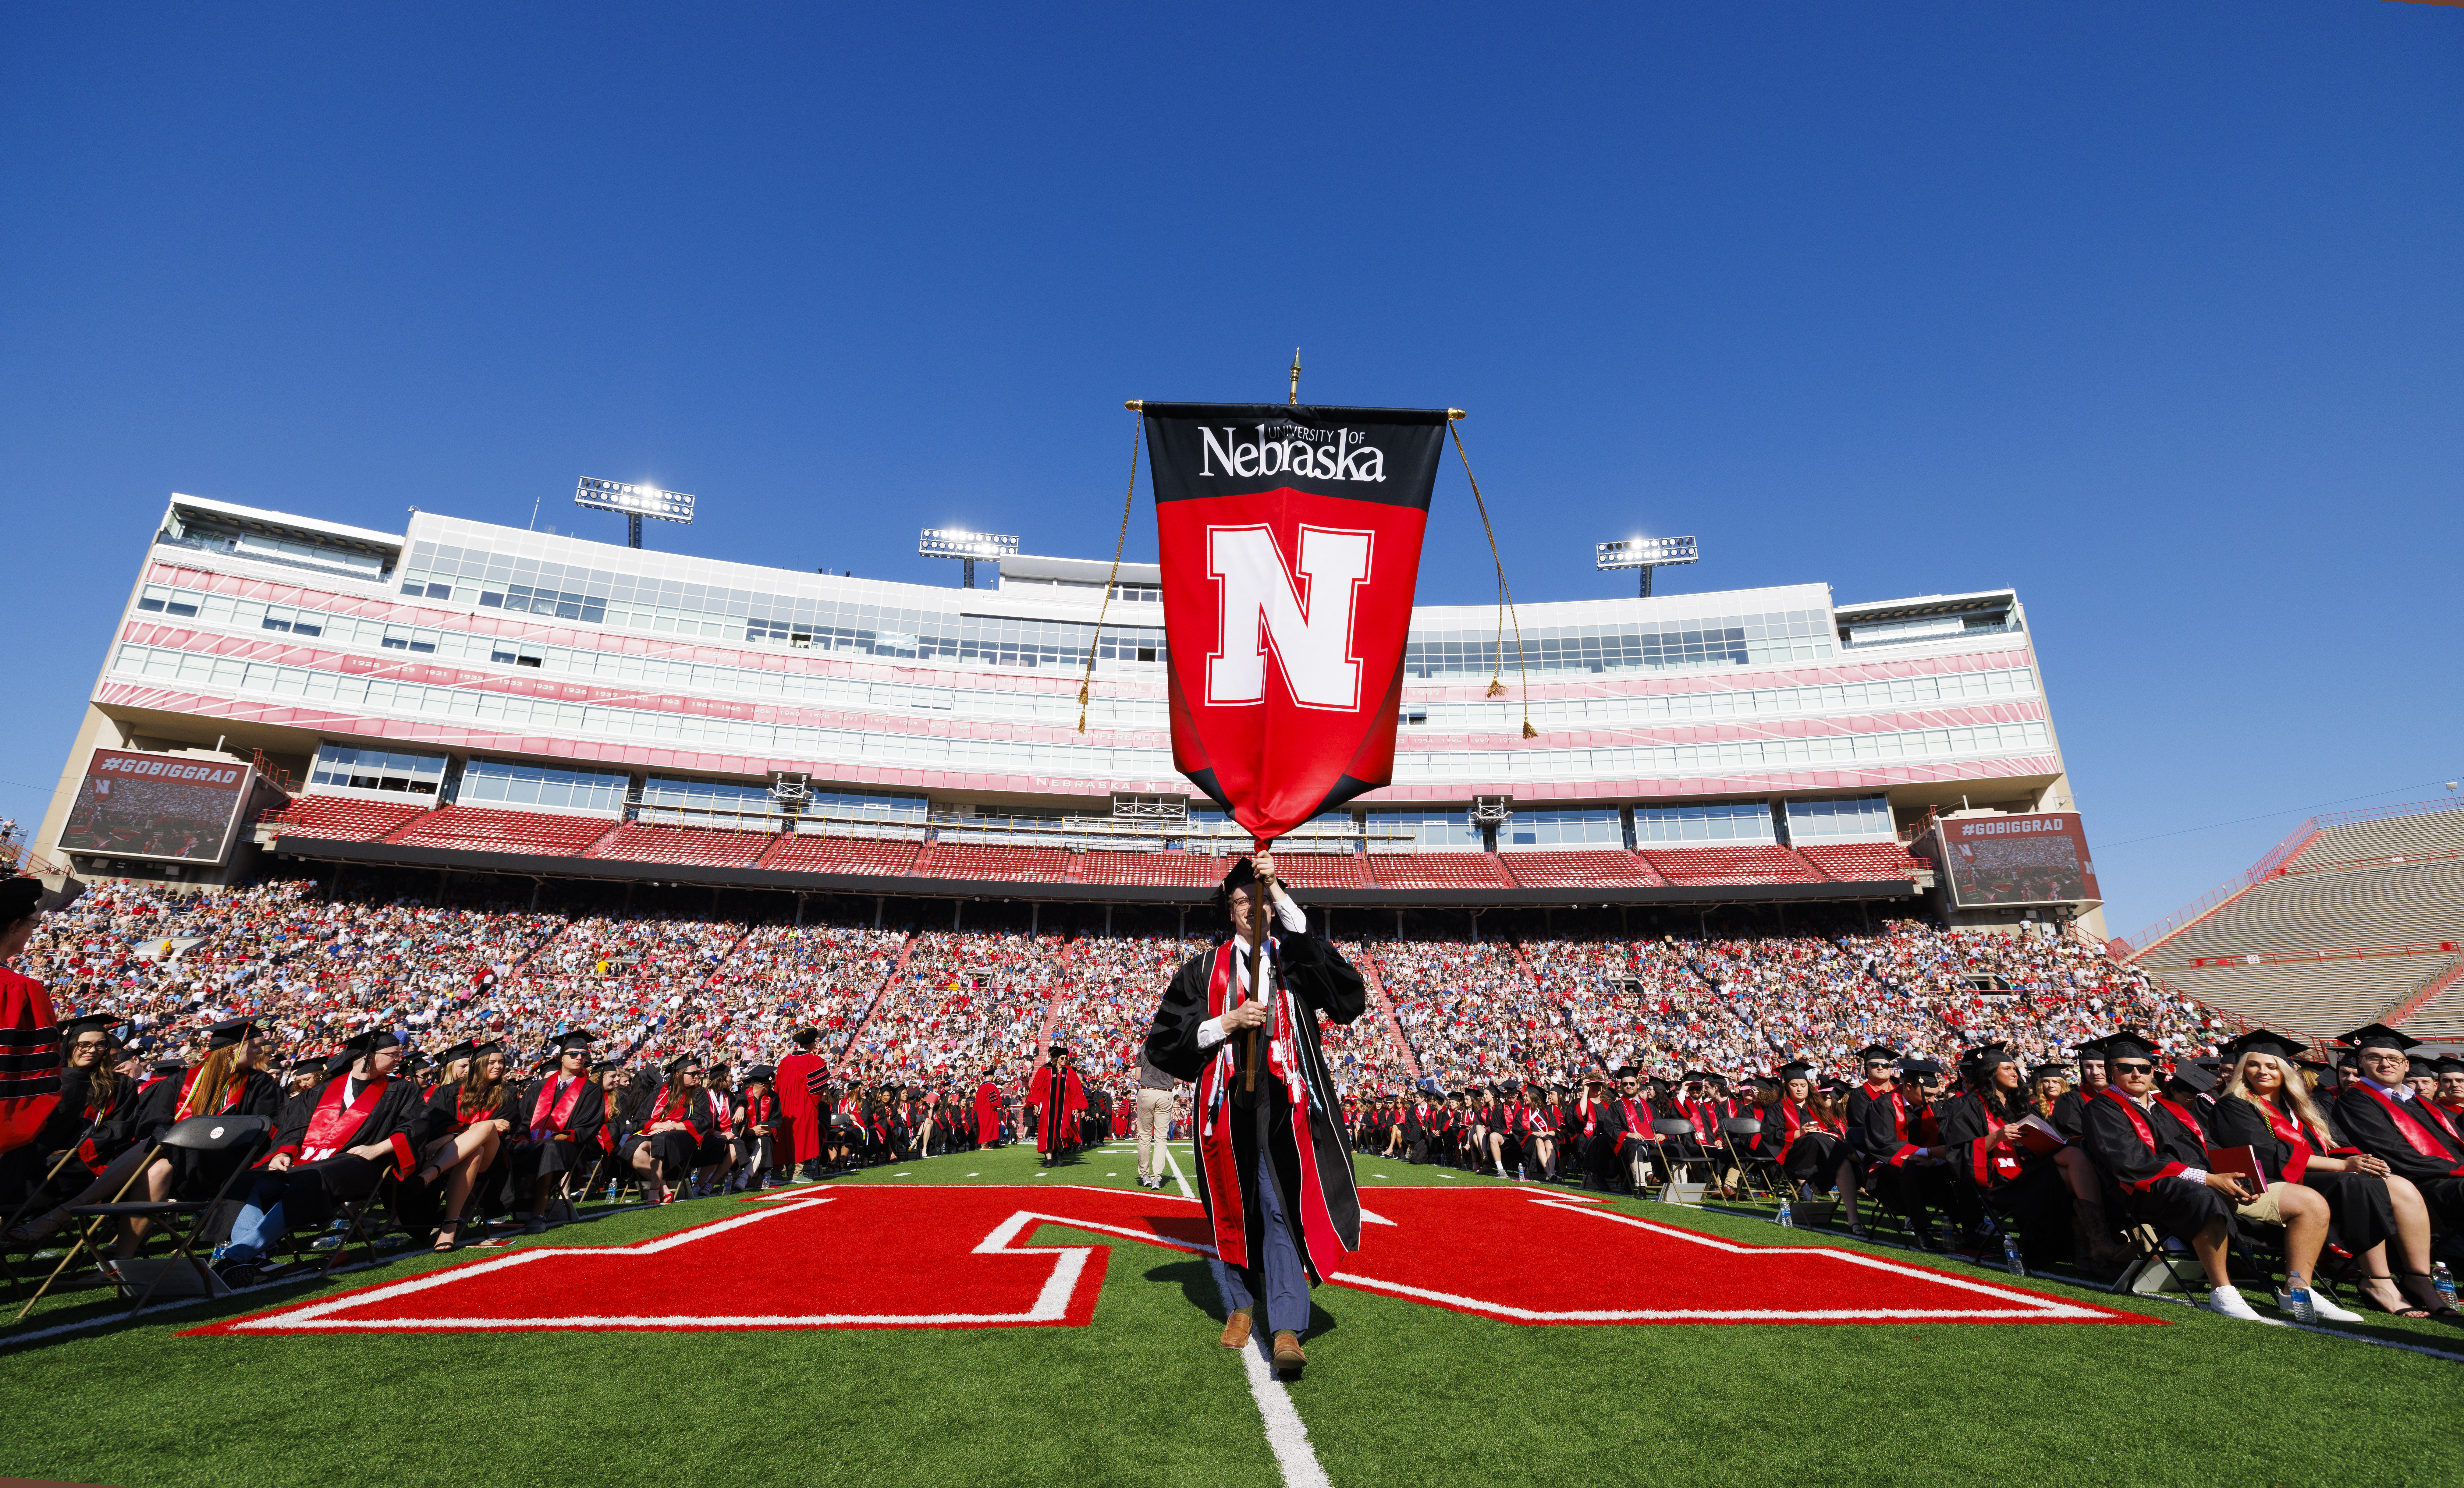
{"x": 504, "y": 658}
{"x": 377, "y": 770}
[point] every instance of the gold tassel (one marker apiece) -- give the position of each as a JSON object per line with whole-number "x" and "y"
{"x": 1496, "y": 688}
{"x": 1528, "y": 731}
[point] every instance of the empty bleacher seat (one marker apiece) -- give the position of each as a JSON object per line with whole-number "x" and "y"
{"x": 813, "y": 853}
{"x": 1438, "y": 870}
{"x": 538, "y": 834}
{"x": 984, "y": 861}
{"x": 2430, "y": 832}
{"x": 1731, "y": 865}
{"x": 1578, "y": 868}
{"x": 1152, "y": 869}
{"x": 637, "y": 843}
{"x": 347, "y": 819}
{"x": 1862, "y": 863}
{"x": 1321, "y": 871}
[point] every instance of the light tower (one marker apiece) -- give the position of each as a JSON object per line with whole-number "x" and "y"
{"x": 957, "y": 543}
{"x": 636, "y": 502}
{"x": 1646, "y": 554}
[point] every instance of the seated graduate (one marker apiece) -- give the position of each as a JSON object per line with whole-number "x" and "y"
{"x": 2268, "y": 1108}
{"x": 335, "y": 1147}
{"x": 87, "y": 1150}
{"x": 467, "y": 1122}
{"x": 2070, "y": 1108}
{"x": 2384, "y": 1116}
{"x": 758, "y": 1126}
{"x": 718, "y": 1146}
{"x": 663, "y": 1148}
{"x": 1540, "y": 1121}
{"x": 2153, "y": 1148}
{"x": 2058, "y": 1198}
{"x": 1897, "y": 1136}
{"x": 229, "y": 1079}
{"x": 2451, "y": 1089}
{"x": 453, "y": 1066}
{"x": 1810, "y": 1133}
{"x": 559, "y": 1124}
{"x": 302, "y": 1075}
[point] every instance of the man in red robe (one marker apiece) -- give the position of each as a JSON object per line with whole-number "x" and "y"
{"x": 988, "y": 1122}
{"x": 799, "y": 1083}
{"x": 1057, "y": 1095}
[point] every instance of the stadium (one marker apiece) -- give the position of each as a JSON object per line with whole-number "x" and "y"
{"x": 470, "y": 785}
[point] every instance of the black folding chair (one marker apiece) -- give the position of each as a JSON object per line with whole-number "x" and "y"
{"x": 239, "y": 1137}
{"x": 1675, "y": 1128}
{"x": 1748, "y": 1168}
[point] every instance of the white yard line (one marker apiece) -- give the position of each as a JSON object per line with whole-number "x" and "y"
{"x": 1174, "y": 1163}
{"x": 1284, "y": 1432}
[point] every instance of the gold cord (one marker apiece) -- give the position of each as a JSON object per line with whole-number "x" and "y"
{"x": 1505, "y": 598}
{"x": 1128, "y": 499}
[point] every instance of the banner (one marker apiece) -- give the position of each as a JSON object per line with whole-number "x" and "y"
{"x": 2040, "y": 858}
{"x": 165, "y": 808}
{"x": 1290, "y": 539}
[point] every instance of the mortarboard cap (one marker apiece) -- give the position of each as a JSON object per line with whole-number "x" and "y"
{"x": 1878, "y": 1054}
{"x": 683, "y": 1062}
{"x": 804, "y": 1038}
{"x": 1919, "y": 1068}
{"x": 1796, "y": 1069}
{"x": 167, "y": 1067}
{"x": 2193, "y": 1075}
{"x": 2264, "y": 1040}
{"x": 2422, "y": 1068}
{"x": 91, "y": 1024}
{"x": 2378, "y": 1035}
{"x": 572, "y": 1039}
{"x": 2126, "y": 1047}
{"x": 229, "y": 1032}
{"x": 760, "y": 1072}
{"x": 2049, "y": 1072}
{"x": 454, "y": 1051}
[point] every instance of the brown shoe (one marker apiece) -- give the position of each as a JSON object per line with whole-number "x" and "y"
{"x": 1236, "y": 1329}
{"x": 1288, "y": 1357}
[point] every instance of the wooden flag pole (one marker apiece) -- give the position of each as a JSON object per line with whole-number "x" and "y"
{"x": 1261, "y": 906}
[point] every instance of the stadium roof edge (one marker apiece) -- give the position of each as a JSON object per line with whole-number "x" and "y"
{"x": 232, "y": 512}
{"x": 1925, "y": 604}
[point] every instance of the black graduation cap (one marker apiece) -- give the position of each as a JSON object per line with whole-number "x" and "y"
{"x": 1796, "y": 1069}
{"x": 454, "y": 1051}
{"x": 1629, "y": 1072}
{"x": 575, "y": 1040}
{"x": 2378, "y": 1035}
{"x": 2447, "y": 1065}
{"x": 366, "y": 1041}
{"x": 1243, "y": 875}
{"x": 605, "y": 1065}
{"x": 1986, "y": 1055}
{"x": 2264, "y": 1040}
{"x": 1919, "y": 1068}
{"x": 1878, "y": 1054}
{"x": 229, "y": 1032}
{"x": 762, "y": 1072}
{"x": 479, "y": 1051}
{"x": 90, "y": 1024}
{"x": 2422, "y": 1068}
{"x": 168, "y": 1068}
{"x": 718, "y": 1071}
{"x": 1698, "y": 1075}
{"x": 804, "y": 1038}
{"x": 296, "y": 1066}
{"x": 2127, "y": 1046}
{"x": 1057, "y": 1048}
{"x": 2092, "y": 1049}
{"x": 2049, "y": 1071}
{"x": 683, "y": 1062}
{"x": 2194, "y": 1075}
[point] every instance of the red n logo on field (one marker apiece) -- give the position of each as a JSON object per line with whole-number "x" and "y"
{"x": 1303, "y": 611}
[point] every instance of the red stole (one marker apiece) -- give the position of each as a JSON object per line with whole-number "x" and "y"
{"x": 2415, "y": 1134}
{"x": 189, "y": 1083}
{"x": 2295, "y": 1133}
{"x": 2147, "y": 1133}
{"x": 1992, "y": 1161}
{"x": 552, "y": 1113}
{"x": 333, "y": 1121}
{"x": 1213, "y": 1107}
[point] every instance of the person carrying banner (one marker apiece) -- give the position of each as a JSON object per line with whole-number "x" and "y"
{"x": 1273, "y": 1170}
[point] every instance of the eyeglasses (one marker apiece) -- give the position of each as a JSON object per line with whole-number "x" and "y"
{"x": 2132, "y": 1068}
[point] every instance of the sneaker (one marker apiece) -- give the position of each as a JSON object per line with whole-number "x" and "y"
{"x": 535, "y": 1225}
{"x": 2228, "y": 1301}
{"x": 2320, "y": 1309}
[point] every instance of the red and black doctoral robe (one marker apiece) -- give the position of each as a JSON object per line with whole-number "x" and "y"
{"x": 1057, "y": 1104}
{"x": 988, "y": 1122}
{"x": 800, "y": 1086}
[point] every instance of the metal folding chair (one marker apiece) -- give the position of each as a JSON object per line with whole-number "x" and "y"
{"x": 1748, "y": 1168}
{"x": 206, "y": 1136}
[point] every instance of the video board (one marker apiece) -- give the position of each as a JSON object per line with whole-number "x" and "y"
{"x": 2038, "y": 858}
{"x": 157, "y": 808}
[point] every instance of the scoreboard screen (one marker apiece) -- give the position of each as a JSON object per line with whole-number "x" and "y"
{"x": 158, "y": 808}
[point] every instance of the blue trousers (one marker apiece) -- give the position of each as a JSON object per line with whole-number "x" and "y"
{"x": 1276, "y": 1275}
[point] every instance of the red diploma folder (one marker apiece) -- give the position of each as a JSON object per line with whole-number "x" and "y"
{"x": 2242, "y": 1163}
{"x": 2039, "y": 1135}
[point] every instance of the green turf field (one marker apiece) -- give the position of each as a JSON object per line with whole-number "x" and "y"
{"x": 1397, "y": 1392}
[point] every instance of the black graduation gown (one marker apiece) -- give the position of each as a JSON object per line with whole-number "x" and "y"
{"x": 2439, "y": 1174}
{"x": 315, "y": 1190}
{"x": 196, "y": 1176}
{"x": 676, "y": 1153}
{"x": 2070, "y": 1114}
{"x": 2357, "y": 1201}
{"x": 571, "y": 1148}
{"x": 2150, "y": 1176}
{"x": 99, "y": 1132}
{"x": 2037, "y": 1196}
{"x": 1324, "y": 983}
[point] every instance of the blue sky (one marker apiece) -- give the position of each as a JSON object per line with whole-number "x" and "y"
{"x": 2151, "y": 310}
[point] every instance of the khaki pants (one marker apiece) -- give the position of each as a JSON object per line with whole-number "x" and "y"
{"x": 1154, "y": 1120}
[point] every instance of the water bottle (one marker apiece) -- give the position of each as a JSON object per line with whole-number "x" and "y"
{"x": 1786, "y": 1218}
{"x": 2444, "y": 1281}
{"x": 2010, "y": 1261}
{"x": 2301, "y": 1305}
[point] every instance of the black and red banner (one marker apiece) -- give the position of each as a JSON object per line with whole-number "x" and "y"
{"x": 1290, "y": 544}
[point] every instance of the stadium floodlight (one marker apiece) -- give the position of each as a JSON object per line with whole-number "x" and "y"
{"x": 636, "y": 502}
{"x": 957, "y": 543}
{"x": 1646, "y": 554}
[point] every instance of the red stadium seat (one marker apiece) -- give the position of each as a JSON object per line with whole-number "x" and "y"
{"x": 1438, "y": 870}
{"x": 346, "y": 819}
{"x": 638, "y": 842}
{"x": 984, "y": 861}
{"x": 812, "y": 853}
{"x": 1322, "y": 870}
{"x": 1579, "y": 869}
{"x": 1731, "y": 865}
{"x": 535, "y": 834}
{"x": 1152, "y": 869}
{"x": 1862, "y": 862}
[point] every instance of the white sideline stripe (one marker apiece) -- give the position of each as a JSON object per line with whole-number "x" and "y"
{"x": 1051, "y": 1303}
{"x": 1174, "y": 1163}
{"x": 1286, "y": 1433}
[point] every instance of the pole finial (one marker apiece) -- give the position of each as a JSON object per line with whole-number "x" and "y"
{"x": 1294, "y": 399}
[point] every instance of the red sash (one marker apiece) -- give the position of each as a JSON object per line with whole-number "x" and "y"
{"x": 333, "y": 1121}
{"x": 546, "y": 1120}
{"x": 189, "y": 1083}
{"x": 2147, "y": 1133}
{"x": 1213, "y": 1108}
{"x": 2415, "y": 1134}
{"x": 1992, "y": 1161}
{"x": 2295, "y": 1134}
